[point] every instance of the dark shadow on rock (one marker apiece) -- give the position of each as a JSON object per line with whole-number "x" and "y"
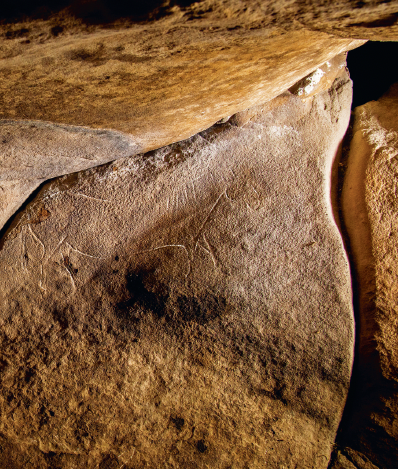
{"x": 373, "y": 69}
{"x": 90, "y": 11}
{"x": 358, "y": 429}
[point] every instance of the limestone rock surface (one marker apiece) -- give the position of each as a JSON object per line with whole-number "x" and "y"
{"x": 161, "y": 82}
{"x": 178, "y": 74}
{"x": 370, "y": 210}
{"x": 32, "y": 152}
{"x": 186, "y": 308}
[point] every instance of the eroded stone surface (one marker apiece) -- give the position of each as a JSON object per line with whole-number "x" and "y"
{"x": 189, "y": 307}
{"x": 370, "y": 211}
{"x": 32, "y": 152}
{"x": 163, "y": 80}
{"x": 160, "y": 86}
{"x": 320, "y": 79}
{"x": 350, "y": 459}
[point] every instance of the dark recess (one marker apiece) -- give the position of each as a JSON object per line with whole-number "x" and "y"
{"x": 373, "y": 69}
{"x": 89, "y": 11}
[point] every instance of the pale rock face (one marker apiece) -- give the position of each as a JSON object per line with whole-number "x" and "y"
{"x": 370, "y": 212}
{"x": 320, "y": 79}
{"x": 189, "y": 307}
{"x": 32, "y": 152}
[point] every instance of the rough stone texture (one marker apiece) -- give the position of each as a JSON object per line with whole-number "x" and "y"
{"x": 178, "y": 74}
{"x": 370, "y": 212}
{"x": 320, "y": 79}
{"x": 189, "y": 307}
{"x": 368, "y": 19}
{"x": 350, "y": 459}
{"x": 160, "y": 82}
{"x": 32, "y": 152}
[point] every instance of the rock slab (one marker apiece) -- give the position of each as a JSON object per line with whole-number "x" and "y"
{"x": 184, "y": 308}
{"x": 179, "y": 74}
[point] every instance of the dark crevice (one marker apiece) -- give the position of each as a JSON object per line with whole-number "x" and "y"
{"x": 373, "y": 69}
{"x": 356, "y": 426}
{"x": 358, "y": 405}
{"x": 13, "y": 220}
{"x": 342, "y": 168}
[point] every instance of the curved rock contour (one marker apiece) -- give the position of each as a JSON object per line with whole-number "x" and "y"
{"x": 370, "y": 214}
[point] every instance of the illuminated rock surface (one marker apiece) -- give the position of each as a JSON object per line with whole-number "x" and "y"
{"x": 189, "y": 307}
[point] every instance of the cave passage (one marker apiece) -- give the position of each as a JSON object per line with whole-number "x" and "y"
{"x": 373, "y": 69}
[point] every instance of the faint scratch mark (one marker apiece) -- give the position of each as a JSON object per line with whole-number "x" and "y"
{"x": 83, "y": 253}
{"x": 24, "y": 254}
{"x": 23, "y": 249}
{"x": 194, "y": 190}
{"x": 34, "y": 235}
{"x": 205, "y": 139}
{"x": 65, "y": 266}
{"x": 41, "y": 286}
{"x": 227, "y": 196}
{"x": 130, "y": 458}
{"x": 78, "y": 194}
{"x": 209, "y": 249}
{"x": 43, "y": 276}
{"x": 54, "y": 250}
{"x": 196, "y": 238}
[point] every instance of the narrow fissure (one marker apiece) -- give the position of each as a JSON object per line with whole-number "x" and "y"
{"x": 350, "y": 403}
{"x": 373, "y": 70}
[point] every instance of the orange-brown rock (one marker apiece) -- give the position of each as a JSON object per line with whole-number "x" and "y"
{"x": 188, "y": 307}
{"x": 178, "y": 69}
{"x": 370, "y": 212}
{"x": 161, "y": 82}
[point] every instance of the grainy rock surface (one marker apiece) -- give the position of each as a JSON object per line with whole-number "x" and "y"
{"x": 166, "y": 78}
{"x": 161, "y": 82}
{"x": 188, "y": 307}
{"x": 32, "y": 152}
{"x": 370, "y": 211}
{"x": 350, "y": 459}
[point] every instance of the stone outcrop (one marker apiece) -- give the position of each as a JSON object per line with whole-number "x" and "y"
{"x": 187, "y": 307}
{"x": 33, "y": 152}
{"x": 370, "y": 212}
{"x": 157, "y": 82}
{"x": 160, "y": 82}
